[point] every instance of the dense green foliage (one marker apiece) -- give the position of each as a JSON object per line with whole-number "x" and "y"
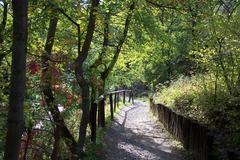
{"x": 186, "y": 52}
{"x": 210, "y": 92}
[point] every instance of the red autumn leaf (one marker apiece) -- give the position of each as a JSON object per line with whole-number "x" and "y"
{"x": 79, "y": 99}
{"x": 56, "y": 72}
{"x": 57, "y": 88}
{"x": 33, "y": 67}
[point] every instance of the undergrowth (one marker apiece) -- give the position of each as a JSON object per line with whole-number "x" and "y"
{"x": 206, "y": 100}
{"x": 95, "y": 150}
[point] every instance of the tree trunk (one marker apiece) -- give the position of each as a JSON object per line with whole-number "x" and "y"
{"x": 29, "y": 133}
{"x": 15, "y": 124}
{"x": 56, "y": 145}
{"x": 4, "y": 20}
{"x": 101, "y": 107}
{"x": 84, "y": 85}
{"x": 107, "y": 71}
{"x": 47, "y": 89}
{"x": 81, "y": 79}
{"x": 2, "y": 29}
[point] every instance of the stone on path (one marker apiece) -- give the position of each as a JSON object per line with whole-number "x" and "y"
{"x": 135, "y": 135}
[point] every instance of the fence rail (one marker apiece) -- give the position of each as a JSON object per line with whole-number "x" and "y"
{"x": 97, "y": 111}
{"x": 194, "y": 137}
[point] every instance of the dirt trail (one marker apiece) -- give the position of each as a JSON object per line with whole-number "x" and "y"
{"x": 135, "y": 135}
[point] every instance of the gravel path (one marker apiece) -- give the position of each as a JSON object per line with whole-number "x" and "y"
{"x": 135, "y": 135}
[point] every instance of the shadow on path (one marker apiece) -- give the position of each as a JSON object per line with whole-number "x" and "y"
{"x": 134, "y": 135}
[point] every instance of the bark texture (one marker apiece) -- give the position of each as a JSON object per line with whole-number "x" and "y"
{"x": 4, "y": 20}
{"x": 108, "y": 69}
{"x": 15, "y": 124}
{"x": 81, "y": 78}
{"x": 48, "y": 93}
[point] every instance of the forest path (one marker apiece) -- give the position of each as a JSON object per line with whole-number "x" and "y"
{"x": 135, "y": 135}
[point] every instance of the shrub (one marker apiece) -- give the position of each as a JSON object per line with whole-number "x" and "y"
{"x": 206, "y": 100}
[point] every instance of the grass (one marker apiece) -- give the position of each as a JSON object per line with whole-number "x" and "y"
{"x": 175, "y": 144}
{"x": 206, "y": 100}
{"x": 95, "y": 150}
{"x": 182, "y": 95}
{"x": 144, "y": 99}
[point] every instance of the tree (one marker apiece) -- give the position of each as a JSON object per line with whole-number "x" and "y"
{"x": 61, "y": 129}
{"x": 81, "y": 77}
{"x": 105, "y": 73}
{"x": 17, "y": 92}
{"x": 4, "y": 21}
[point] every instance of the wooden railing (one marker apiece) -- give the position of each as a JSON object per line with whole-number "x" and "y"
{"x": 97, "y": 111}
{"x": 194, "y": 137}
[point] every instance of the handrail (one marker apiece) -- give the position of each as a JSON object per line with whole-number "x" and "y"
{"x": 101, "y": 97}
{"x": 98, "y": 108}
{"x": 194, "y": 136}
{"x": 118, "y": 91}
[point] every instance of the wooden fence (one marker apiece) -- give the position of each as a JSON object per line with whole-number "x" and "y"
{"x": 97, "y": 116}
{"x": 194, "y": 137}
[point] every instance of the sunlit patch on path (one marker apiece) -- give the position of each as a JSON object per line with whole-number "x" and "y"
{"x": 135, "y": 135}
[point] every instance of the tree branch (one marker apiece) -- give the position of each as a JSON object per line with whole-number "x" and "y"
{"x": 105, "y": 41}
{"x": 4, "y": 20}
{"x": 164, "y": 6}
{"x": 105, "y": 74}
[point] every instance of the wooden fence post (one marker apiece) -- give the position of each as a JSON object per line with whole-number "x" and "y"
{"x": 101, "y": 113}
{"x": 93, "y": 118}
{"x": 132, "y": 97}
{"x": 129, "y": 98}
{"x": 111, "y": 105}
{"x": 98, "y": 114}
{"x": 115, "y": 101}
{"x": 193, "y": 135}
{"x": 118, "y": 97}
{"x": 124, "y": 97}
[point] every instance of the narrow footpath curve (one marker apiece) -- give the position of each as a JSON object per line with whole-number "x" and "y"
{"x": 135, "y": 135}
